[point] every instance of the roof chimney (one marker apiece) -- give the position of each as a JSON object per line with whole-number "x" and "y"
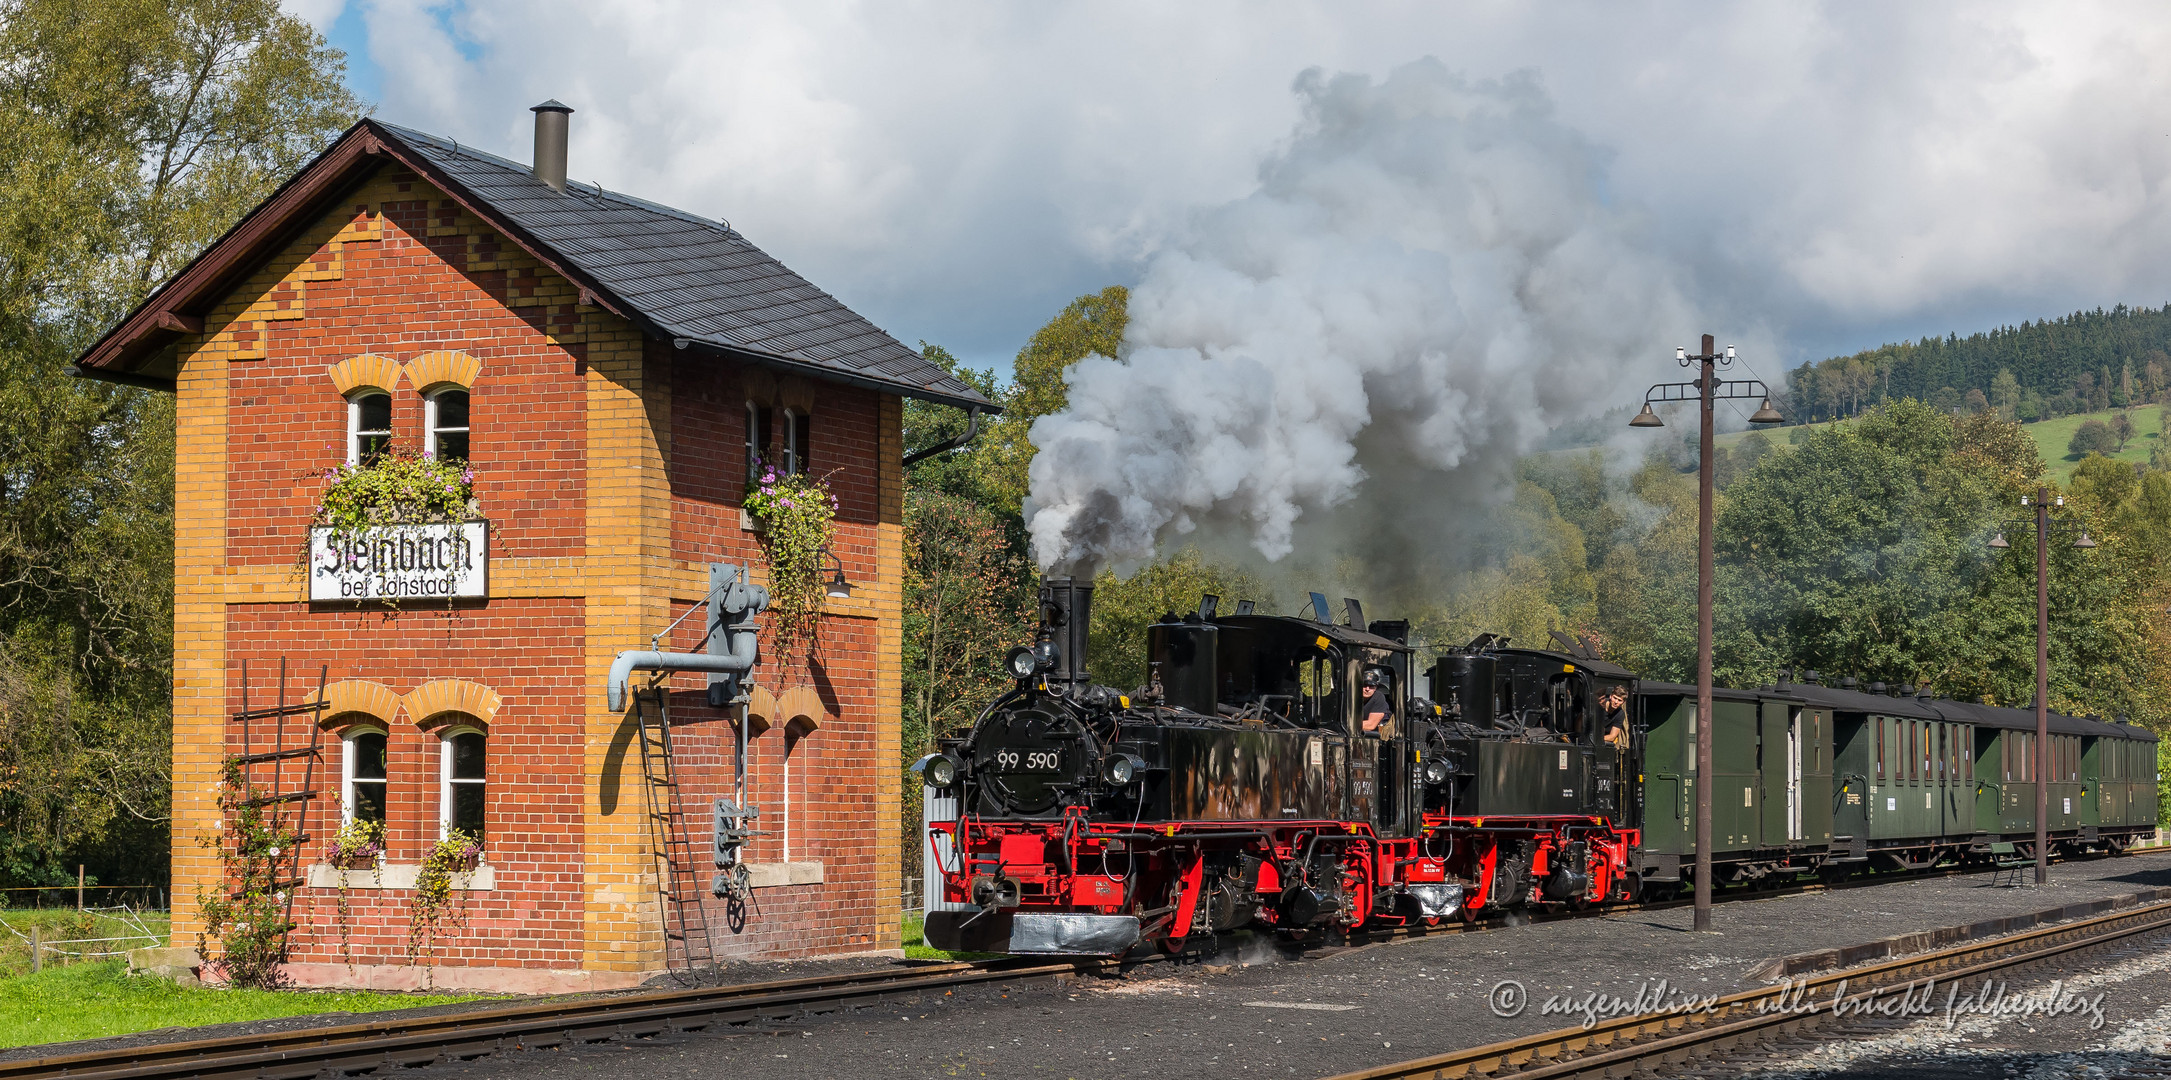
{"x": 550, "y": 131}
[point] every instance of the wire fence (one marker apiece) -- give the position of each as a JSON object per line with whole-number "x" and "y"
{"x": 136, "y": 897}
{"x": 90, "y": 933}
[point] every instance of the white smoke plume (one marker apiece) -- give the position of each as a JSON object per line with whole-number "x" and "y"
{"x": 1428, "y": 277}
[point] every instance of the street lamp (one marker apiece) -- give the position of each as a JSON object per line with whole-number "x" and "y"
{"x": 1708, "y": 388}
{"x": 2044, "y": 525}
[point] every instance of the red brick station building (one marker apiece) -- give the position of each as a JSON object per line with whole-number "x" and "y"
{"x": 608, "y": 366}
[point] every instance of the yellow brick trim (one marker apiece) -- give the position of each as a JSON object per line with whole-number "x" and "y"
{"x": 629, "y": 571}
{"x": 349, "y": 697}
{"x": 437, "y": 697}
{"x": 887, "y": 593}
{"x": 199, "y": 619}
{"x": 445, "y": 367}
{"x": 366, "y": 371}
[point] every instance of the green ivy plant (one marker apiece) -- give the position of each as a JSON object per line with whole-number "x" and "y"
{"x": 356, "y": 841}
{"x": 398, "y": 487}
{"x": 798, "y": 515}
{"x": 432, "y": 908}
{"x": 246, "y": 911}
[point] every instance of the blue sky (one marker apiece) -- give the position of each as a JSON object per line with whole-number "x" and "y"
{"x": 1821, "y": 178}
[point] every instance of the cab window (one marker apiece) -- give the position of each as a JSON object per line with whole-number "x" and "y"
{"x": 1565, "y": 704}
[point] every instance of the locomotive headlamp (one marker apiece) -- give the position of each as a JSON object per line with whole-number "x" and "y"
{"x": 1121, "y": 769}
{"x": 1021, "y": 662}
{"x": 939, "y": 769}
{"x": 1044, "y": 654}
{"x": 1436, "y": 771}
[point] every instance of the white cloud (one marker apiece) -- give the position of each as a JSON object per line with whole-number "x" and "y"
{"x": 1824, "y": 175}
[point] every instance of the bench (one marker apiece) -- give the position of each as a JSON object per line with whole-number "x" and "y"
{"x": 2008, "y": 863}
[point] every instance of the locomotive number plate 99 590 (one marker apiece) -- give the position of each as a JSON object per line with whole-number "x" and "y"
{"x": 1029, "y": 760}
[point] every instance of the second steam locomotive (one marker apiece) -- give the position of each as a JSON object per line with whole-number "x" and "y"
{"x": 1283, "y": 773}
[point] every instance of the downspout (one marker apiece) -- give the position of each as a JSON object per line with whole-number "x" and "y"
{"x": 972, "y": 428}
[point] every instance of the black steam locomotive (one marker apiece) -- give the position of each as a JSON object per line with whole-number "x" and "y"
{"x": 1294, "y": 774}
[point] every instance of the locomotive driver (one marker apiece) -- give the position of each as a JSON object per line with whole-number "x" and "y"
{"x": 1375, "y": 710}
{"x": 1613, "y": 709}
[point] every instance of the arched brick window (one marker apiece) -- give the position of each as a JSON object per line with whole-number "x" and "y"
{"x": 445, "y": 424}
{"x": 363, "y": 778}
{"x": 369, "y": 425}
{"x": 463, "y": 769}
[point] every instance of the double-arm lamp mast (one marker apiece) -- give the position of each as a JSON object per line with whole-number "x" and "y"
{"x": 2044, "y": 525}
{"x": 1706, "y": 389}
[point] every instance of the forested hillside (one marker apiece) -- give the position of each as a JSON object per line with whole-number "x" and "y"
{"x": 2085, "y": 362}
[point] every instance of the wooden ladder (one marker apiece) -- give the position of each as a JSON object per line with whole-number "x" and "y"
{"x": 678, "y": 877}
{"x": 292, "y": 804}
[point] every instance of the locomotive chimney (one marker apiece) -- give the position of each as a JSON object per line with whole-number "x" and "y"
{"x": 1070, "y": 600}
{"x": 551, "y": 127}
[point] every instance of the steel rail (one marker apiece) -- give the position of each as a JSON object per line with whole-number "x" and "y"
{"x": 410, "y": 1041}
{"x": 1622, "y": 1045}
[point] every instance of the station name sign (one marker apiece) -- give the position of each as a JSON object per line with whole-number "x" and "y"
{"x": 400, "y": 562}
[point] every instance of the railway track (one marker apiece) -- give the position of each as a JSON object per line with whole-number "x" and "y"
{"x": 413, "y": 1041}
{"x": 1654, "y": 1043}
{"x": 409, "y": 1042}
{"x": 1368, "y": 939}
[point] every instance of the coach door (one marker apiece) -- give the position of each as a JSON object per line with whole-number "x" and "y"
{"x": 1780, "y": 766}
{"x": 1794, "y": 775}
{"x": 1959, "y": 792}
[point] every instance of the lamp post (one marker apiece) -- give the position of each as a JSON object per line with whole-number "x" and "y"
{"x": 1708, "y": 388}
{"x": 2042, "y": 501}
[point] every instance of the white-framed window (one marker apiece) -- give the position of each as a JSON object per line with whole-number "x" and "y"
{"x": 797, "y": 429}
{"x": 369, "y": 425}
{"x": 757, "y": 440}
{"x": 462, "y": 767}
{"x": 363, "y": 779}
{"x": 444, "y": 424}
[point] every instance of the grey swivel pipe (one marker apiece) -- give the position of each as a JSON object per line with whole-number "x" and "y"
{"x": 738, "y": 661}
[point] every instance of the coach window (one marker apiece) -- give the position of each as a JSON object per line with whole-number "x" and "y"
{"x": 444, "y": 424}
{"x": 369, "y": 426}
{"x": 461, "y": 768}
{"x": 362, "y": 776}
{"x": 1879, "y": 721}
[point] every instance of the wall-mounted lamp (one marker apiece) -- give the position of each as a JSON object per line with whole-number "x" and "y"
{"x": 837, "y": 588}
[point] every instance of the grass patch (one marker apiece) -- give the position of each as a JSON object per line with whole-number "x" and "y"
{"x": 89, "y": 1001}
{"x": 917, "y": 948}
{"x": 2051, "y": 437}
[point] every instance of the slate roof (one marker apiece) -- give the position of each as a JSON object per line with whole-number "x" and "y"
{"x": 694, "y": 278}
{"x": 679, "y": 277}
